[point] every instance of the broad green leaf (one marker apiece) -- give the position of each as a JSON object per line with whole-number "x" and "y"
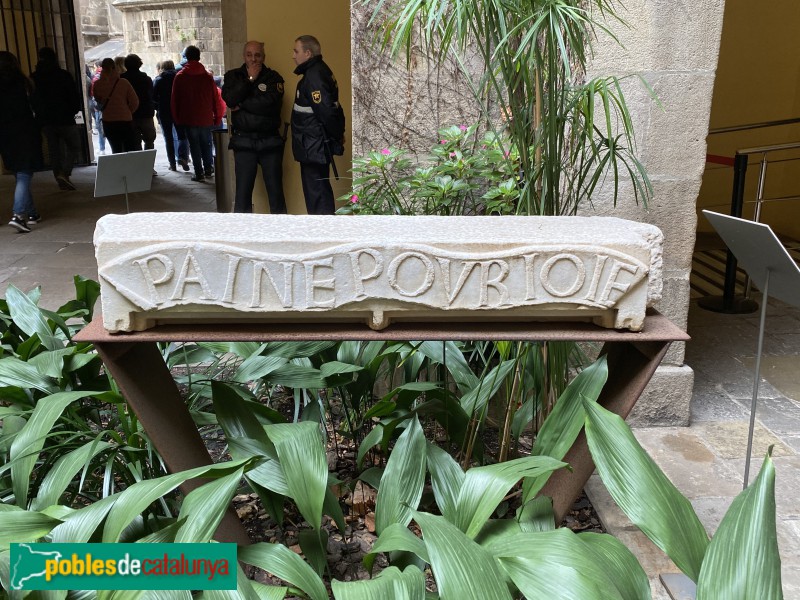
{"x": 390, "y": 583}
{"x": 269, "y": 474}
{"x": 564, "y": 423}
{"x": 643, "y": 492}
{"x": 244, "y": 590}
{"x": 237, "y": 420}
{"x": 131, "y": 502}
{"x": 302, "y": 457}
{"x": 314, "y": 544}
{"x": 17, "y": 373}
{"x": 204, "y": 507}
{"x": 28, "y": 317}
{"x": 297, "y": 376}
{"x": 398, "y": 537}
{"x": 485, "y": 487}
{"x": 62, "y": 472}
{"x": 463, "y": 569}
{"x": 537, "y": 515}
{"x": 51, "y": 362}
{"x": 24, "y": 525}
{"x": 475, "y": 400}
{"x": 269, "y": 592}
{"x": 742, "y": 560}
{"x": 372, "y": 438}
{"x": 335, "y": 367}
{"x": 447, "y": 477}
{"x": 553, "y": 564}
{"x": 448, "y": 353}
{"x": 285, "y": 564}
{"x": 403, "y": 480}
{"x": 294, "y": 350}
{"x": 619, "y": 563}
{"x": 79, "y": 527}
{"x": 256, "y": 367}
{"x": 29, "y": 442}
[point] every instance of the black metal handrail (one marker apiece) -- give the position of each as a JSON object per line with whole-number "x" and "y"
{"x": 762, "y": 125}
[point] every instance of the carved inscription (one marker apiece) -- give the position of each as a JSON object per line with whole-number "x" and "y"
{"x": 173, "y": 274}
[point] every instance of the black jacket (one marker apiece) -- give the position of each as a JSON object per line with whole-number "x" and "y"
{"x": 143, "y": 86}
{"x": 20, "y": 142}
{"x": 56, "y": 97}
{"x": 162, "y": 94}
{"x": 258, "y": 101}
{"x": 317, "y": 118}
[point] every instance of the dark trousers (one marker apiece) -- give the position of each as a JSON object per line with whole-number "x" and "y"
{"x": 145, "y": 132}
{"x": 246, "y": 164}
{"x": 317, "y": 188}
{"x": 63, "y": 145}
{"x": 200, "y": 149}
{"x": 121, "y": 136}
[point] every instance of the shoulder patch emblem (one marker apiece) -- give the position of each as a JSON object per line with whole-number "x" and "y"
{"x": 262, "y": 87}
{"x": 316, "y": 96}
{"x": 279, "y": 87}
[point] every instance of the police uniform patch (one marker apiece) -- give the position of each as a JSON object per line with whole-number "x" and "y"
{"x": 279, "y": 87}
{"x": 316, "y": 96}
{"x": 262, "y": 87}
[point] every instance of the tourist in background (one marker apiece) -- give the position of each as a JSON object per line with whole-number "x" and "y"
{"x": 117, "y": 101}
{"x": 20, "y": 141}
{"x": 56, "y": 99}
{"x": 174, "y": 137}
{"x": 254, "y": 93}
{"x": 95, "y": 108}
{"x": 143, "y": 124}
{"x": 194, "y": 106}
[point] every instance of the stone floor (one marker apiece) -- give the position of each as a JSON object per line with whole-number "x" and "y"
{"x": 705, "y": 460}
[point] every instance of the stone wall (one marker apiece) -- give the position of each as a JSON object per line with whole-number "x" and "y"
{"x": 182, "y": 23}
{"x": 674, "y": 47}
{"x": 93, "y": 21}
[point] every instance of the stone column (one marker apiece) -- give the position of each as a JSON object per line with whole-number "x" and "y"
{"x": 673, "y": 47}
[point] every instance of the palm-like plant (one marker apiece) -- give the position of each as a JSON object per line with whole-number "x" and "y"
{"x": 569, "y": 134}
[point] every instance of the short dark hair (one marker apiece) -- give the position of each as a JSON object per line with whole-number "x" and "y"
{"x": 132, "y": 62}
{"x": 311, "y": 44}
{"x": 47, "y": 55}
{"x": 167, "y": 65}
{"x": 192, "y": 53}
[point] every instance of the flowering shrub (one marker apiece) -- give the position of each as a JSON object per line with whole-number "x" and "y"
{"x": 462, "y": 175}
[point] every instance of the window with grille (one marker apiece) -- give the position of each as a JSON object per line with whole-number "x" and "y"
{"x": 154, "y": 31}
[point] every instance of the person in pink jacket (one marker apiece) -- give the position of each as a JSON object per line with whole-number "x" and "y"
{"x": 117, "y": 101}
{"x": 194, "y": 107}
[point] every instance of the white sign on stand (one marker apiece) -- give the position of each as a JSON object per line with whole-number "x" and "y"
{"x": 124, "y": 173}
{"x": 772, "y": 270}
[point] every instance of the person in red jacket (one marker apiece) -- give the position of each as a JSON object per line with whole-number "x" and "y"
{"x": 194, "y": 106}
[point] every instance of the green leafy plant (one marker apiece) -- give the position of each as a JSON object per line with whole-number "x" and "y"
{"x": 462, "y": 175}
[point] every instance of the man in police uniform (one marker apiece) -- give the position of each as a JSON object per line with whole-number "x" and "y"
{"x": 254, "y": 94}
{"x": 317, "y": 125}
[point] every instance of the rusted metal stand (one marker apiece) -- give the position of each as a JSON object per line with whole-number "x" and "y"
{"x": 135, "y": 363}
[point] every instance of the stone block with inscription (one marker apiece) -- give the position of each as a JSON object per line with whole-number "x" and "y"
{"x": 207, "y": 267}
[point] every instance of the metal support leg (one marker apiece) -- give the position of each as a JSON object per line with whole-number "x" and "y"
{"x": 630, "y": 367}
{"x": 757, "y": 379}
{"x": 150, "y": 390}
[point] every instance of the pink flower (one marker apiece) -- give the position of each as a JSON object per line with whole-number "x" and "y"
{"x": 462, "y": 127}
{"x": 453, "y": 155}
{"x": 354, "y": 198}
{"x": 442, "y": 141}
{"x": 506, "y": 154}
{"x": 386, "y": 151}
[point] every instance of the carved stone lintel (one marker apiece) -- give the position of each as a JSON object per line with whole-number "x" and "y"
{"x": 157, "y": 267}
